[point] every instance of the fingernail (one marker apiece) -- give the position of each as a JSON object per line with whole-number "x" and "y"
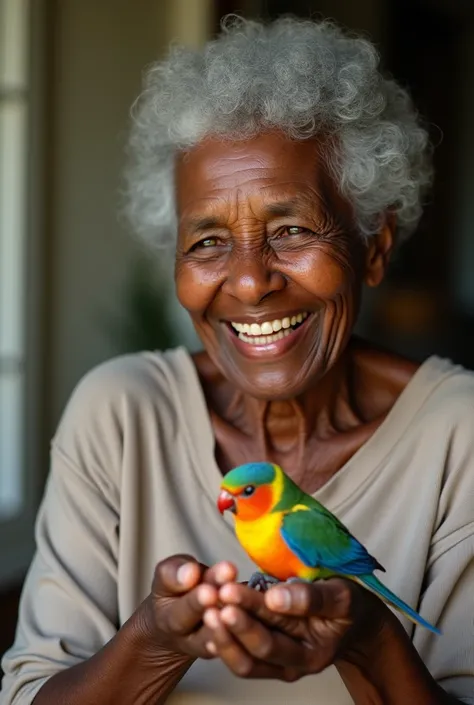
{"x": 185, "y": 573}
{"x": 229, "y": 616}
{"x": 278, "y": 599}
{"x": 211, "y": 619}
{"x": 211, "y": 647}
{"x": 224, "y": 573}
{"x": 228, "y": 593}
{"x": 206, "y": 595}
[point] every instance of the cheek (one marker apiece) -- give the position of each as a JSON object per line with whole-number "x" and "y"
{"x": 256, "y": 506}
{"x": 326, "y": 275}
{"x": 196, "y": 286}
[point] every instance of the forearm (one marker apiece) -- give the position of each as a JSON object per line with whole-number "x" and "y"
{"x": 391, "y": 673}
{"x": 127, "y": 671}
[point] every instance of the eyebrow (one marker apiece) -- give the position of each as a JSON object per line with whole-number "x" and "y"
{"x": 279, "y": 209}
{"x": 200, "y": 223}
{"x": 293, "y": 207}
{"x": 283, "y": 208}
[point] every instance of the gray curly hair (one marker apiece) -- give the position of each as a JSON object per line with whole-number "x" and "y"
{"x": 299, "y": 76}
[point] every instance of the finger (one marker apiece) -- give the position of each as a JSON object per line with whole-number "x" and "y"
{"x": 176, "y": 575}
{"x": 223, "y": 645}
{"x": 253, "y": 601}
{"x": 329, "y": 599}
{"x": 265, "y": 644}
{"x": 220, "y": 574}
{"x": 183, "y": 615}
{"x": 197, "y": 643}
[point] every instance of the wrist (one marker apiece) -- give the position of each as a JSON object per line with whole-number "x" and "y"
{"x": 386, "y": 669}
{"x": 364, "y": 660}
{"x": 131, "y": 668}
{"x": 373, "y": 628}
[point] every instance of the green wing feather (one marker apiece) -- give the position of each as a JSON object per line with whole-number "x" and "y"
{"x": 319, "y": 539}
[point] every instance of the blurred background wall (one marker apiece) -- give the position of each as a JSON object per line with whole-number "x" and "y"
{"x": 75, "y": 287}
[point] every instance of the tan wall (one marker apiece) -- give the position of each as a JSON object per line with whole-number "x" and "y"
{"x": 101, "y": 49}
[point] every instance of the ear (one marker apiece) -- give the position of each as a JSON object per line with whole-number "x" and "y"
{"x": 379, "y": 251}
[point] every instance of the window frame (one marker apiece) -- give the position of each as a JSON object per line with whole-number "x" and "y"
{"x": 17, "y": 532}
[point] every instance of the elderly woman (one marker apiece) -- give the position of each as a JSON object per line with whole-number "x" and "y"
{"x": 290, "y": 169}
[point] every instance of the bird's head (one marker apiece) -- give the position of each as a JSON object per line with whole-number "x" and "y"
{"x": 251, "y": 490}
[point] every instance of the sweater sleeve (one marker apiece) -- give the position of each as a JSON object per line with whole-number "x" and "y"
{"x": 68, "y": 608}
{"x": 449, "y": 582}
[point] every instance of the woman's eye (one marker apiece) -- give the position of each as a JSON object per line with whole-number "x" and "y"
{"x": 296, "y": 230}
{"x": 208, "y": 242}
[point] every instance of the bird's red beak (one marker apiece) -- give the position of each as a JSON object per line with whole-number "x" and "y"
{"x": 225, "y": 501}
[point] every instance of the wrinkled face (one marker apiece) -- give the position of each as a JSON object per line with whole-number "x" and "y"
{"x": 268, "y": 263}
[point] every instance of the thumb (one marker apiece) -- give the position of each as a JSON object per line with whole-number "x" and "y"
{"x": 176, "y": 575}
{"x": 330, "y": 599}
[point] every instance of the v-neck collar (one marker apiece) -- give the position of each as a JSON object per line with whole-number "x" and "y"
{"x": 357, "y": 470}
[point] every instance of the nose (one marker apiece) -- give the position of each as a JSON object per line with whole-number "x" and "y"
{"x": 250, "y": 278}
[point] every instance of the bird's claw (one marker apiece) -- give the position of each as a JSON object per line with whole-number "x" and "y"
{"x": 261, "y": 581}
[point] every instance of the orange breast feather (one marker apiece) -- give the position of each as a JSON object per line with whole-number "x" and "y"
{"x": 262, "y": 541}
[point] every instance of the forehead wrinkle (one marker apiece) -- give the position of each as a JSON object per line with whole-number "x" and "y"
{"x": 251, "y": 161}
{"x": 243, "y": 209}
{"x": 207, "y": 214}
{"x": 236, "y": 205}
{"x": 282, "y": 204}
{"x": 294, "y": 193}
{"x": 227, "y": 173}
{"x": 229, "y": 205}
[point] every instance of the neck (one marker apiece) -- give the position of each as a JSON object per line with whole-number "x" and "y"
{"x": 325, "y": 407}
{"x": 312, "y": 436}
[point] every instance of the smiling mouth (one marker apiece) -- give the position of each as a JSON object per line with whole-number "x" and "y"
{"x": 268, "y": 332}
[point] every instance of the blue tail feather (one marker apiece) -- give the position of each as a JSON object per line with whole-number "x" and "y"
{"x": 372, "y": 583}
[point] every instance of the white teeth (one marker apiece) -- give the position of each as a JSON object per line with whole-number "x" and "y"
{"x": 264, "y": 339}
{"x": 266, "y": 332}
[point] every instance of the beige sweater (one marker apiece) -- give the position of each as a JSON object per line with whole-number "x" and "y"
{"x": 134, "y": 479}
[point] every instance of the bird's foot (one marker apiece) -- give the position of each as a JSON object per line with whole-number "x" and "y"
{"x": 261, "y": 581}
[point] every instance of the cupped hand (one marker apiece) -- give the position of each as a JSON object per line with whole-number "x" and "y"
{"x": 294, "y": 629}
{"x": 182, "y": 590}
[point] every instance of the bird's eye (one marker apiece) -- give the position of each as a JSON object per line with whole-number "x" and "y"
{"x": 248, "y": 491}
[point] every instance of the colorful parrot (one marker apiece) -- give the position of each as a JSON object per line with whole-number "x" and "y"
{"x": 292, "y": 536}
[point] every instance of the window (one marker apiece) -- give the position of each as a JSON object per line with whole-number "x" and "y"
{"x": 15, "y": 146}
